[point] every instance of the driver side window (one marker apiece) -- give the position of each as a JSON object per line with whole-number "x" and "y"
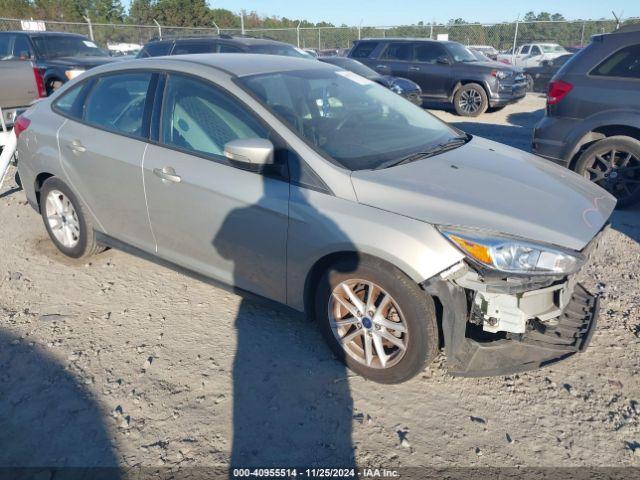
{"x": 117, "y": 102}
{"x": 200, "y": 118}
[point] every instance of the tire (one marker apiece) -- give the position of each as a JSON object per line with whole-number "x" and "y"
{"x": 52, "y": 85}
{"x": 620, "y": 174}
{"x": 410, "y": 308}
{"x": 470, "y": 100}
{"x": 530, "y": 83}
{"x": 81, "y": 242}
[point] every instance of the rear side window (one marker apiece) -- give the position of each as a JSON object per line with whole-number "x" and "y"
{"x": 183, "y": 48}
{"x": 398, "y": 51}
{"x": 5, "y": 47}
{"x": 428, "y": 52}
{"x": 363, "y": 49}
{"x": 198, "y": 117}
{"x": 117, "y": 102}
{"x": 525, "y": 50}
{"x": 68, "y": 104}
{"x": 226, "y": 48}
{"x": 623, "y": 63}
{"x": 155, "y": 49}
{"x": 535, "y": 50}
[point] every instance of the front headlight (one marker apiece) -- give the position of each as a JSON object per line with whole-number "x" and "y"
{"x": 73, "y": 73}
{"x": 501, "y": 74}
{"x": 513, "y": 255}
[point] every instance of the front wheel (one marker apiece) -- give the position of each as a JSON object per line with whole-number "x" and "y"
{"x": 379, "y": 322}
{"x": 614, "y": 164}
{"x": 470, "y": 100}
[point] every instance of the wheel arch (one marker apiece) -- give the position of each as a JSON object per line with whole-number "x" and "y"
{"x": 461, "y": 83}
{"x": 601, "y": 127}
{"x": 323, "y": 263}
{"x": 38, "y": 182}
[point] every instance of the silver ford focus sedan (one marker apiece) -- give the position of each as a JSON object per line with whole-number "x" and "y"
{"x": 314, "y": 187}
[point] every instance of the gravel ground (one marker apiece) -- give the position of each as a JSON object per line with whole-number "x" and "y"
{"x": 118, "y": 361}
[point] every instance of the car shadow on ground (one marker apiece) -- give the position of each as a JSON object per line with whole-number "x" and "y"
{"x": 291, "y": 404}
{"x": 627, "y": 222}
{"x": 50, "y": 426}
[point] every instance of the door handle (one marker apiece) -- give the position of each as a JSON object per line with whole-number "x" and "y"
{"x": 167, "y": 174}
{"x": 414, "y": 69}
{"x": 382, "y": 66}
{"x": 76, "y": 146}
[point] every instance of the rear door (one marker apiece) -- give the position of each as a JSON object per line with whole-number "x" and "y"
{"x": 102, "y": 151}
{"x": 395, "y": 59}
{"x": 208, "y": 214}
{"x": 521, "y": 53}
{"x": 433, "y": 77}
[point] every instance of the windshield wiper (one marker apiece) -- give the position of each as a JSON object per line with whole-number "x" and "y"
{"x": 450, "y": 144}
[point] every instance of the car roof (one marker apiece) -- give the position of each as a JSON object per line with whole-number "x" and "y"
{"x": 234, "y": 64}
{"x": 244, "y": 40}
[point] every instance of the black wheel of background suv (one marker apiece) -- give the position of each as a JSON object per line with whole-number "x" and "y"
{"x": 530, "y": 82}
{"x": 614, "y": 164}
{"x": 52, "y": 85}
{"x": 379, "y": 322}
{"x": 470, "y": 100}
{"x": 67, "y": 221}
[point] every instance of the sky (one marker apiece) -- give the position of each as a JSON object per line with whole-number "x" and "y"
{"x": 396, "y": 12}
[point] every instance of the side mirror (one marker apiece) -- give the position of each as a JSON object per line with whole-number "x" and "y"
{"x": 444, "y": 60}
{"x": 545, "y": 63}
{"x": 253, "y": 151}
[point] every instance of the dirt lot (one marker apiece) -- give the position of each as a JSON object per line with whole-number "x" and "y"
{"x": 121, "y": 361}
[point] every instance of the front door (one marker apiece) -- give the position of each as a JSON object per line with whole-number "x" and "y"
{"x": 429, "y": 71}
{"x": 207, "y": 214}
{"x": 101, "y": 153}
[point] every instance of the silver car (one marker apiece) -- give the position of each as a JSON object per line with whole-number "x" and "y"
{"x": 316, "y": 188}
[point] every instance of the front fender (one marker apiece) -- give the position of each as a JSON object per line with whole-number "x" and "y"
{"x": 322, "y": 224}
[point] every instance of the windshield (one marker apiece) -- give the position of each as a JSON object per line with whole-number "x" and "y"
{"x": 460, "y": 53}
{"x": 275, "y": 49}
{"x": 353, "y": 66}
{"x": 67, "y": 46}
{"x": 356, "y": 122}
{"x": 552, "y": 49}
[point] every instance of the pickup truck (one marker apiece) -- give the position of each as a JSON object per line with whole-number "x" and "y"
{"x": 532, "y": 54}
{"x": 58, "y": 56}
{"x": 22, "y": 84}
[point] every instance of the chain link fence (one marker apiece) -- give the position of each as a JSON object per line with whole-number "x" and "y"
{"x": 501, "y": 36}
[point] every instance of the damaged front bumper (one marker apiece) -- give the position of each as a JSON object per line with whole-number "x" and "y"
{"x": 499, "y": 326}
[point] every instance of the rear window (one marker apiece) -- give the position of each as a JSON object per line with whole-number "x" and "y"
{"x": 363, "y": 49}
{"x": 623, "y": 63}
{"x": 275, "y": 49}
{"x": 155, "y": 50}
{"x": 5, "y": 47}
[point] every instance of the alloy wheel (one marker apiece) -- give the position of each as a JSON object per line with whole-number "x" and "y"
{"x": 617, "y": 171}
{"x": 62, "y": 219}
{"x": 368, "y": 323}
{"x": 470, "y": 101}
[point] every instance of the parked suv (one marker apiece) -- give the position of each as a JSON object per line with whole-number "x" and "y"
{"x": 220, "y": 44}
{"x": 312, "y": 186}
{"x": 446, "y": 71}
{"x": 592, "y": 121}
{"x": 59, "y": 57}
{"x": 532, "y": 54}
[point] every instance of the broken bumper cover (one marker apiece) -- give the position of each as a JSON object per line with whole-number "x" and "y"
{"x": 534, "y": 349}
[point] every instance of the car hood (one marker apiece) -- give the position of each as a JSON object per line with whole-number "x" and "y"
{"x": 489, "y": 186}
{"x": 404, "y": 83}
{"x": 85, "y": 62}
{"x": 492, "y": 66}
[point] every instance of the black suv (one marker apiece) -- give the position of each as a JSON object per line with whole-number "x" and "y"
{"x": 59, "y": 57}
{"x": 592, "y": 120}
{"x": 219, "y": 44}
{"x": 446, "y": 71}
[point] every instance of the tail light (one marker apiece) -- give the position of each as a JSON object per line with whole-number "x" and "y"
{"x": 557, "y": 91}
{"x": 20, "y": 125}
{"x": 37, "y": 73}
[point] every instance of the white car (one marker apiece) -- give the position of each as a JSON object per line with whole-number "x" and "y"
{"x": 532, "y": 54}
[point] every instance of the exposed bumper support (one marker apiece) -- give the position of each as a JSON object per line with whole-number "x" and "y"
{"x": 533, "y": 349}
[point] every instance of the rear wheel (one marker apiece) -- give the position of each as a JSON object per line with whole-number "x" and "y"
{"x": 377, "y": 320}
{"x": 614, "y": 164}
{"x": 53, "y": 85}
{"x": 66, "y": 220}
{"x": 530, "y": 84}
{"x": 470, "y": 100}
